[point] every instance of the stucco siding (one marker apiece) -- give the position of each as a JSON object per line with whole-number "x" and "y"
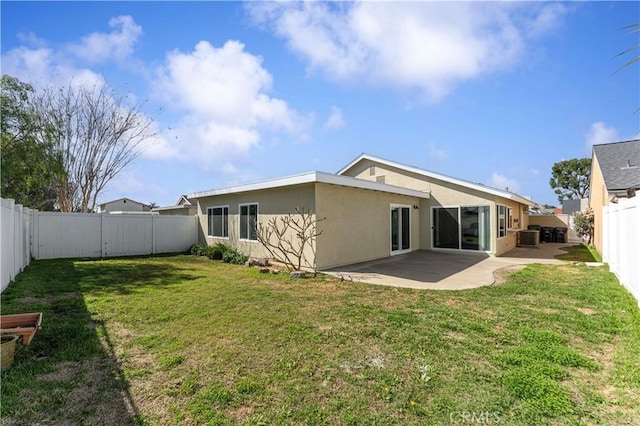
{"x": 598, "y": 198}
{"x": 272, "y": 203}
{"x": 520, "y": 221}
{"x": 358, "y": 224}
{"x": 444, "y": 194}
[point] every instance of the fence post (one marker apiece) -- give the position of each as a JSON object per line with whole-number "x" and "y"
{"x": 153, "y": 234}
{"x": 103, "y": 240}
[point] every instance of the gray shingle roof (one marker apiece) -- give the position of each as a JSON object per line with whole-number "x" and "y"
{"x": 620, "y": 164}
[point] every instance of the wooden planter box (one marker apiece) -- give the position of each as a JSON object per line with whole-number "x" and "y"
{"x": 24, "y": 325}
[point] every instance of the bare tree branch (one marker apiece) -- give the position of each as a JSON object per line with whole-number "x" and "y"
{"x": 97, "y": 132}
{"x": 288, "y": 237}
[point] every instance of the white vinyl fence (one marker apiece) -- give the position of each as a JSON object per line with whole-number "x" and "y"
{"x": 46, "y": 235}
{"x": 620, "y": 240}
{"x": 58, "y": 235}
{"x": 15, "y": 225}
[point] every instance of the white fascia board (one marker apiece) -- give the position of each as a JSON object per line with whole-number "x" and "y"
{"x": 156, "y": 209}
{"x": 266, "y": 184}
{"x": 312, "y": 177}
{"x": 332, "y": 179}
{"x": 445, "y": 178}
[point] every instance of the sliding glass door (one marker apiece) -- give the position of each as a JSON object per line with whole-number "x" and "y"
{"x": 462, "y": 228}
{"x": 446, "y": 232}
{"x": 400, "y": 229}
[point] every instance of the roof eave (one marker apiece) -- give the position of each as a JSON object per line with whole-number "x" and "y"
{"x": 313, "y": 177}
{"x": 477, "y": 187}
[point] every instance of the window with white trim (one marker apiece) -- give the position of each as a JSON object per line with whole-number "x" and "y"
{"x": 505, "y": 220}
{"x": 218, "y": 221}
{"x": 249, "y": 222}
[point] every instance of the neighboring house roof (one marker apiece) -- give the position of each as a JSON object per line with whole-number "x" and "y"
{"x": 184, "y": 201}
{"x": 464, "y": 183}
{"x": 620, "y": 164}
{"x": 182, "y": 207}
{"x": 313, "y": 177}
{"x": 120, "y": 199}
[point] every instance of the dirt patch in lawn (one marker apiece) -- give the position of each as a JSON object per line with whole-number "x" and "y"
{"x": 96, "y": 395}
{"x": 502, "y": 275}
{"x": 49, "y": 298}
{"x": 542, "y": 310}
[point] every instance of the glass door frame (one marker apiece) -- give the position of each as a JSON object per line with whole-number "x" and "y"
{"x": 400, "y": 250}
{"x": 460, "y": 249}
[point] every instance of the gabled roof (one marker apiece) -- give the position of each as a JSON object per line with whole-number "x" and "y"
{"x": 183, "y": 201}
{"x": 464, "y": 183}
{"x": 620, "y": 164}
{"x": 313, "y": 177}
{"x": 123, "y": 198}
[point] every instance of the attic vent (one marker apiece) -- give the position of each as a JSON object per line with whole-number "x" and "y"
{"x": 380, "y": 179}
{"x": 372, "y": 170}
{"x": 629, "y": 166}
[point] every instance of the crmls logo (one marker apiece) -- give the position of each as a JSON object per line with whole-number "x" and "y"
{"x": 471, "y": 417}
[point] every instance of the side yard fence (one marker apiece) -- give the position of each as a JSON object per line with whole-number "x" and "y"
{"x": 620, "y": 239}
{"x": 30, "y": 234}
{"x": 15, "y": 228}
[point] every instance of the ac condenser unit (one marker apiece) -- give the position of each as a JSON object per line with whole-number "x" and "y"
{"x": 528, "y": 238}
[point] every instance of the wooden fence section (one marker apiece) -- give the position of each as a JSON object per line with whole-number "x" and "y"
{"x": 620, "y": 238}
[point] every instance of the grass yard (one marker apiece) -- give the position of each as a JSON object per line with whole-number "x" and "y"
{"x": 186, "y": 340}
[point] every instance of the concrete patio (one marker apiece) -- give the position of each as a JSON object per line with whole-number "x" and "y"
{"x": 430, "y": 270}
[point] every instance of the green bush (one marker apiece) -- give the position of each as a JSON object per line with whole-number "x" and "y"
{"x": 198, "y": 249}
{"x": 220, "y": 251}
{"x": 232, "y": 256}
{"x": 217, "y": 252}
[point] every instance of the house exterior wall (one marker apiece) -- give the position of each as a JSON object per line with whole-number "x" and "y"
{"x": 444, "y": 194}
{"x": 572, "y": 206}
{"x": 598, "y": 198}
{"x": 272, "y": 203}
{"x": 178, "y": 211}
{"x": 125, "y": 206}
{"x": 358, "y": 224}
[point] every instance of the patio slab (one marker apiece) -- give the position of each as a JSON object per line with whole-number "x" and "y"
{"x": 431, "y": 270}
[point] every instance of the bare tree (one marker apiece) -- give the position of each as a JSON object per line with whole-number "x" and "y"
{"x": 97, "y": 132}
{"x": 288, "y": 237}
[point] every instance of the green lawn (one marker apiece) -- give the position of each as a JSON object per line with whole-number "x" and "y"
{"x": 186, "y": 340}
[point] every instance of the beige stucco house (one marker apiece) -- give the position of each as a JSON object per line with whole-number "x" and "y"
{"x": 615, "y": 173}
{"x": 374, "y": 208}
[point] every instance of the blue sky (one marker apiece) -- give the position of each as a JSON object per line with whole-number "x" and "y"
{"x": 491, "y": 92}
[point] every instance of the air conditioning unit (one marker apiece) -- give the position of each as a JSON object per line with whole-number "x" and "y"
{"x": 528, "y": 238}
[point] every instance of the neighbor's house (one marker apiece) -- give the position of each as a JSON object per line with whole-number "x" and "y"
{"x": 183, "y": 207}
{"x": 615, "y": 173}
{"x": 374, "y": 208}
{"x": 124, "y": 205}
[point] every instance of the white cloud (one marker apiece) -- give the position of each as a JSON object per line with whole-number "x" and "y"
{"x": 546, "y": 19}
{"x": 117, "y": 45}
{"x": 428, "y": 47}
{"x": 335, "y": 120}
{"x": 600, "y": 132}
{"x": 223, "y": 94}
{"x": 436, "y": 153}
{"x": 44, "y": 66}
{"x": 502, "y": 182}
